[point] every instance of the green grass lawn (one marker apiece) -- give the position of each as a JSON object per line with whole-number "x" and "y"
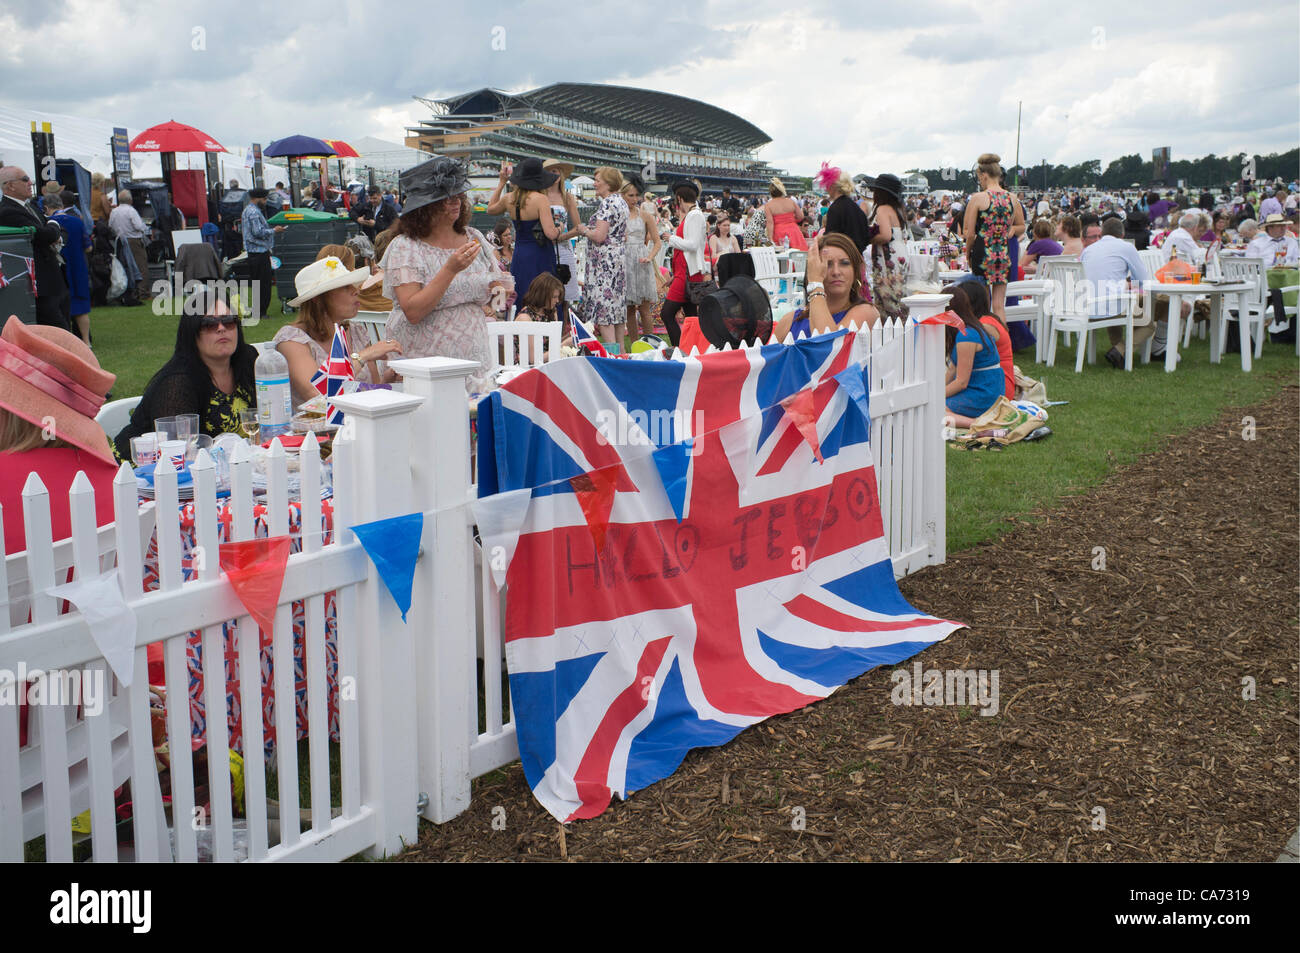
{"x": 134, "y": 343}
{"x": 1112, "y": 416}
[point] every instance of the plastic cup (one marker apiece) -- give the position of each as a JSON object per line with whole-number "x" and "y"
{"x": 174, "y": 450}
{"x": 144, "y": 449}
{"x": 168, "y": 427}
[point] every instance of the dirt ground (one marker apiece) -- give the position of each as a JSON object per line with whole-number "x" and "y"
{"x": 1122, "y": 730}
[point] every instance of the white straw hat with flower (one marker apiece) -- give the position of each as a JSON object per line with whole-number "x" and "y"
{"x": 324, "y": 276}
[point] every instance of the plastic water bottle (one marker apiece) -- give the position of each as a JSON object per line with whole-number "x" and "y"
{"x": 274, "y": 399}
{"x": 785, "y": 243}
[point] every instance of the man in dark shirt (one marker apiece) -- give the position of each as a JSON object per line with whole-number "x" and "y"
{"x": 48, "y": 284}
{"x": 731, "y": 205}
{"x": 375, "y": 216}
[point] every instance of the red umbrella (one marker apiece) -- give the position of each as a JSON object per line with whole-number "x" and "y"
{"x": 344, "y": 150}
{"x": 175, "y": 137}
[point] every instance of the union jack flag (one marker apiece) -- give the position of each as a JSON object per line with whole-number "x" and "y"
{"x": 680, "y": 564}
{"x": 584, "y": 339}
{"x": 333, "y": 374}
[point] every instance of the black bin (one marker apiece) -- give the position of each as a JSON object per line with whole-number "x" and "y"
{"x": 16, "y": 296}
{"x": 298, "y": 245}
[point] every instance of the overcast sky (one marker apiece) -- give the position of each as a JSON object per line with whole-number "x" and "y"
{"x": 925, "y": 83}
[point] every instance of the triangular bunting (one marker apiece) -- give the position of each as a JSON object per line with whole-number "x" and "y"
{"x": 111, "y": 621}
{"x": 949, "y": 318}
{"x": 851, "y": 382}
{"x": 673, "y": 462}
{"x": 393, "y": 545}
{"x": 801, "y": 413}
{"x": 255, "y": 568}
{"x": 595, "y": 493}
{"x": 499, "y": 520}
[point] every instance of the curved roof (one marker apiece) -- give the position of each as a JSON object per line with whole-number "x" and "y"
{"x": 643, "y": 110}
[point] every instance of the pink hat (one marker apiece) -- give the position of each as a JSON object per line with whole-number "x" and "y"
{"x": 50, "y": 374}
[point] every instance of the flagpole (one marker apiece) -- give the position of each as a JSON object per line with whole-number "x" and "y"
{"x": 1019, "y": 108}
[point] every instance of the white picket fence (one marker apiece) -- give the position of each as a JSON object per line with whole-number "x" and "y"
{"x": 423, "y": 706}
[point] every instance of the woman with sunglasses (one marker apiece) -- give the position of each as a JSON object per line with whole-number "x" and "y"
{"x": 210, "y": 373}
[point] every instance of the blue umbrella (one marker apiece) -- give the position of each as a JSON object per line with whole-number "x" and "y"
{"x": 296, "y": 146}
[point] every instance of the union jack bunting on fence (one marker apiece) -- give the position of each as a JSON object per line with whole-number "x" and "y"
{"x": 690, "y": 547}
{"x": 333, "y": 374}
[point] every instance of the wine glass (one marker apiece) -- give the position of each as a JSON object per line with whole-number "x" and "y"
{"x": 248, "y": 423}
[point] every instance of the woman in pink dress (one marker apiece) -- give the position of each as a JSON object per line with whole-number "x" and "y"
{"x": 783, "y": 216}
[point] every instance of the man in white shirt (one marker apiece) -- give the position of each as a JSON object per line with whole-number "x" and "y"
{"x": 127, "y": 225}
{"x": 1111, "y": 266}
{"x": 1278, "y": 250}
{"x": 691, "y": 244}
{"x": 1182, "y": 240}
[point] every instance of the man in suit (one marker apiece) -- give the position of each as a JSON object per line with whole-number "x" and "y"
{"x": 376, "y": 216}
{"x": 52, "y": 297}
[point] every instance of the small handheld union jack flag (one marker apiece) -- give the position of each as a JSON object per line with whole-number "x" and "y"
{"x": 331, "y": 376}
{"x": 584, "y": 339}
{"x": 31, "y": 272}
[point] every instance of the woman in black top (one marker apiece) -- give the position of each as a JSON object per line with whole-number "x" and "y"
{"x": 210, "y": 374}
{"x": 844, "y": 215}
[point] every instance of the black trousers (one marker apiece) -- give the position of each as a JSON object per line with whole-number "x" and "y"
{"x": 669, "y": 317}
{"x": 261, "y": 277}
{"x": 52, "y": 310}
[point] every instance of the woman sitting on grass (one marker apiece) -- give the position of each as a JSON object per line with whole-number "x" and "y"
{"x": 978, "y": 296}
{"x": 974, "y": 380}
{"x": 210, "y": 373}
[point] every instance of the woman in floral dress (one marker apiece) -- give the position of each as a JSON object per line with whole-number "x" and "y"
{"x": 606, "y": 234}
{"x": 991, "y": 218}
{"x": 440, "y": 274}
{"x": 888, "y": 247}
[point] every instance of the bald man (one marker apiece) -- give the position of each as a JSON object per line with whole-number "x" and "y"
{"x": 127, "y": 225}
{"x": 51, "y": 291}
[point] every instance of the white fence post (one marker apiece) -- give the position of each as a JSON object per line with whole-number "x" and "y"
{"x": 381, "y": 486}
{"x": 933, "y": 483}
{"x": 442, "y": 607}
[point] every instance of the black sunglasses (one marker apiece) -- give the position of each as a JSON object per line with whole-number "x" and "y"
{"x": 225, "y": 321}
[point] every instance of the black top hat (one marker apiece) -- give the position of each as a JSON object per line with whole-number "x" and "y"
{"x": 529, "y": 174}
{"x": 258, "y": 193}
{"x": 889, "y": 183}
{"x": 738, "y": 313}
{"x": 439, "y": 178}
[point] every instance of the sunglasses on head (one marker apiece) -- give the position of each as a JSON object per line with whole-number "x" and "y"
{"x": 223, "y": 320}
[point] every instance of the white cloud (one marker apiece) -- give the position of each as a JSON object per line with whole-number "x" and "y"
{"x": 924, "y": 83}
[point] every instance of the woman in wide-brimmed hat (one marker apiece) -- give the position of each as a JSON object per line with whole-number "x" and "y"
{"x": 329, "y": 296}
{"x": 441, "y": 274}
{"x": 51, "y": 387}
{"x": 888, "y": 246}
{"x": 536, "y": 230}
{"x": 564, "y": 210}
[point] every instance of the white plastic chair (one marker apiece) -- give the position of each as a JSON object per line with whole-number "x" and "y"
{"x": 116, "y": 414}
{"x": 524, "y": 344}
{"x": 1254, "y": 307}
{"x": 1034, "y": 310}
{"x": 767, "y": 269}
{"x": 1067, "y": 316}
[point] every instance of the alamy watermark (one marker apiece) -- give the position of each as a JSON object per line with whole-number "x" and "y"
{"x": 85, "y": 688}
{"x": 657, "y": 428}
{"x": 166, "y": 301}
{"x": 956, "y": 687}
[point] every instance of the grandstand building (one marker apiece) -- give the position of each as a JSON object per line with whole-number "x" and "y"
{"x": 593, "y": 125}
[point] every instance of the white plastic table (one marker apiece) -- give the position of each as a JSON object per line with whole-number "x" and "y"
{"x": 1216, "y": 293}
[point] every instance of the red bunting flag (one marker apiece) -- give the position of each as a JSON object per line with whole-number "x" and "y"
{"x": 255, "y": 568}
{"x": 801, "y": 411}
{"x": 31, "y": 272}
{"x": 595, "y": 492}
{"x": 949, "y": 318}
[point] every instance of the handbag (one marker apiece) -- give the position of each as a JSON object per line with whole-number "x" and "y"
{"x": 696, "y": 291}
{"x": 564, "y": 273}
